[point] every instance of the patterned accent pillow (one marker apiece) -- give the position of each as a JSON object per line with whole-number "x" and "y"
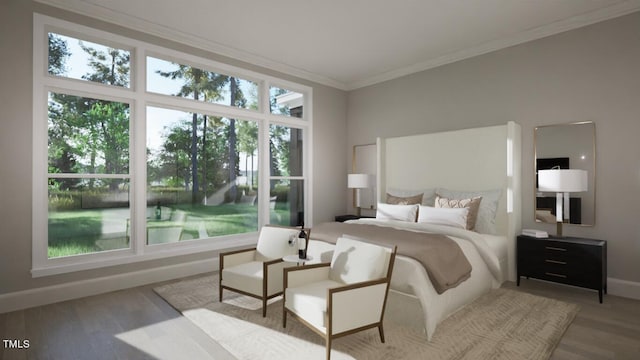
{"x": 409, "y": 200}
{"x": 472, "y": 204}
{"x": 486, "y": 222}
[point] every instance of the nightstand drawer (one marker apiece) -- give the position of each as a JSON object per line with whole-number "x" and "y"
{"x": 556, "y": 267}
{"x": 544, "y": 269}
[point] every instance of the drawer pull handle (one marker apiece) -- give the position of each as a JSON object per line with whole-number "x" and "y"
{"x": 554, "y": 248}
{"x": 556, "y": 262}
{"x": 556, "y": 275}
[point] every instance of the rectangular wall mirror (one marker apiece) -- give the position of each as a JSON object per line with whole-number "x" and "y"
{"x": 566, "y": 146}
{"x": 364, "y": 162}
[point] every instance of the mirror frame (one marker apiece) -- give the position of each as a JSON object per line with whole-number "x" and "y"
{"x": 364, "y": 161}
{"x": 591, "y": 176}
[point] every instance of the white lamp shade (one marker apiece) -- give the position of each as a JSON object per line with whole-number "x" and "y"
{"x": 562, "y": 180}
{"x": 358, "y": 181}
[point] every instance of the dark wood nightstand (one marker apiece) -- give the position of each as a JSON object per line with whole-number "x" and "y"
{"x": 567, "y": 260}
{"x": 343, "y": 218}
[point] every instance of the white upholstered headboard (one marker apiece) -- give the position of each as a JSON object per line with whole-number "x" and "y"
{"x": 477, "y": 159}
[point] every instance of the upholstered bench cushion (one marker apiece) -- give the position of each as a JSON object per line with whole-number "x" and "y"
{"x": 247, "y": 276}
{"x": 310, "y": 301}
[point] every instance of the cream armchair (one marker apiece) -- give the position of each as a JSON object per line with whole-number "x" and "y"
{"x": 342, "y": 297}
{"x": 257, "y": 272}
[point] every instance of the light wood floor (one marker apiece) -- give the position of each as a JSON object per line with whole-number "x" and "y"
{"x": 610, "y": 330}
{"x": 138, "y": 324}
{"x": 129, "y": 324}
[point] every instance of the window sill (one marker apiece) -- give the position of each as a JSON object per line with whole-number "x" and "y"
{"x": 127, "y": 256}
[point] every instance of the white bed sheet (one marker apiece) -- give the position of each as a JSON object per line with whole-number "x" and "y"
{"x": 500, "y": 246}
{"x": 410, "y": 277}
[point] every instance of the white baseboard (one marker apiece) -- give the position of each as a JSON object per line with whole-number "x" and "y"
{"x": 51, "y": 294}
{"x": 623, "y": 288}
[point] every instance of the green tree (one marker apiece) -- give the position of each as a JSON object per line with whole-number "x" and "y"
{"x": 197, "y": 83}
{"x": 248, "y": 144}
{"x": 175, "y": 155}
{"x": 109, "y": 67}
{"x": 106, "y": 123}
{"x": 215, "y": 153}
{"x": 58, "y": 55}
{"x": 279, "y": 137}
{"x": 236, "y": 99}
{"x": 87, "y": 134}
{"x": 62, "y": 156}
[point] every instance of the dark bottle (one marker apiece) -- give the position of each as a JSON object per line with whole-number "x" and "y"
{"x": 158, "y": 211}
{"x": 302, "y": 243}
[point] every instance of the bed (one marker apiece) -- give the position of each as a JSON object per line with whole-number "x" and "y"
{"x": 456, "y": 164}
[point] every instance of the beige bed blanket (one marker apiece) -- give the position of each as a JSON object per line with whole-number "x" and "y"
{"x": 442, "y": 258}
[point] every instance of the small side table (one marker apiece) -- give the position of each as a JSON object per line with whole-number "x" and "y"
{"x": 296, "y": 259}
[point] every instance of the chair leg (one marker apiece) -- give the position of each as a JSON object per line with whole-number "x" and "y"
{"x": 220, "y": 292}
{"x": 381, "y": 331}
{"x": 328, "y": 347}
{"x": 284, "y": 317}
{"x": 264, "y": 307}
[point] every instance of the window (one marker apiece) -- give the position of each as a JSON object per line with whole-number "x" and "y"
{"x": 88, "y": 174}
{"x": 222, "y": 198}
{"x": 285, "y": 102}
{"x": 86, "y": 60}
{"x": 168, "y": 78}
{"x": 286, "y": 181}
{"x": 143, "y": 152}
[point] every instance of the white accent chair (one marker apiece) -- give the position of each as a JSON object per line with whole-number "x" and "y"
{"x": 342, "y": 297}
{"x": 257, "y": 272}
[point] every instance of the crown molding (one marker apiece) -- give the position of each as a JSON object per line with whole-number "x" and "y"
{"x": 138, "y": 24}
{"x": 135, "y": 23}
{"x": 557, "y": 27}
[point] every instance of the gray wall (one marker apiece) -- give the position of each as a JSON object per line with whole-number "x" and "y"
{"x": 592, "y": 73}
{"x": 16, "y": 34}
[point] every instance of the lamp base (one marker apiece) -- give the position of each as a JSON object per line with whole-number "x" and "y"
{"x": 559, "y": 229}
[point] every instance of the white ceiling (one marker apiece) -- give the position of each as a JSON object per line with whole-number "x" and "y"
{"x": 351, "y": 43}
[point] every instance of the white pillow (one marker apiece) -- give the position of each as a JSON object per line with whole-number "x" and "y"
{"x": 456, "y": 217}
{"x": 397, "y": 212}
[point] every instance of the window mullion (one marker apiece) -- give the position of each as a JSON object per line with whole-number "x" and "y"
{"x": 263, "y": 164}
{"x": 287, "y": 121}
{"x": 190, "y": 105}
{"x": 263, "y": 173}
{"x": 138, "y": 156}
{"x": 87, "y": 89}
{"x": 40, "y": 138}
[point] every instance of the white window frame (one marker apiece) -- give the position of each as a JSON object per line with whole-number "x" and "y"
{"x": 138, "y": 99}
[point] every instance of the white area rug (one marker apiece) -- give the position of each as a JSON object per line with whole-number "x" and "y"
{"x": 503, "y": 324}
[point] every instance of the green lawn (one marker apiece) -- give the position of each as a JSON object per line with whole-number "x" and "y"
{"x": 77, "y": 232}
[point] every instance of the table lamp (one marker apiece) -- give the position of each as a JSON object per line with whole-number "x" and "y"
{"x": 358, "y": 181}
{"x": 562, "y": 181}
